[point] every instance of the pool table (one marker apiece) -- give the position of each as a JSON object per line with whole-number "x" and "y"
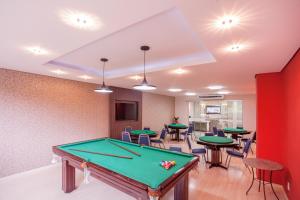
{"x": 141, "y": 176}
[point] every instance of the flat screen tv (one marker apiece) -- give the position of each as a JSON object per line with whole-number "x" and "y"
{"x": 213, "y": 109}
{"x": 126, "y": 111}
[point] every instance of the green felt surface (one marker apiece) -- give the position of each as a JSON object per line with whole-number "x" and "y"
{"x": 138, "y": 132}
{"x": 145, "y": 169}
{"x": 235, "y": 130}
{"x": 216, "y": 139}
{"x": 177, "y": 125}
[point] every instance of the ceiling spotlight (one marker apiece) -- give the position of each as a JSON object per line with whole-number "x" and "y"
{"x": 235, "y": 47}
{"x": 227, "y": 22}
{"x": 80, "y": 20}
{"x": 144, "y": 85}
{"x": 174, "y": 90}
{"x": 190, "y": 93}
{"x": 36, "y": 50}
{"x": 59, "y": 72}
{"x": 103, "y": 88}
{"x": 180, "y": 71}
{"x": 136, "y": 77}
{"x": 85, "y": 77}
{"x": 215, "y": 87}
{"x": 224, "y": 92}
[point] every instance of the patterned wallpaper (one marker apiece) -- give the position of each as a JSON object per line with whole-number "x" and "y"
{"x": 37, "y": 112}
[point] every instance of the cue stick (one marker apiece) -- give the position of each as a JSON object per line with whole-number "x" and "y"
{"x": 103, "y": 154}
{"x": 135, "y": 153}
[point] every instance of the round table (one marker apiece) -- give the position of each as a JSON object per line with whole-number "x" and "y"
{"x": 177, "y": 127}
{"x": 262, "y": 165}
{"x": 236, "y": 131}
{"x": 136, "y": 133}
{"x": 215, "y": 143}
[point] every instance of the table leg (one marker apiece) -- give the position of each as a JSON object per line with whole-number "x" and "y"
{"x": 68, "y": 177}
{"x": 253, "y": 178}
{"x": 177, "y": 135}
{"x": 272, "y": 185}
{"x": 263, "y": 179}
{"x": 259, "y": 179}
{"x": 181, "y": 190}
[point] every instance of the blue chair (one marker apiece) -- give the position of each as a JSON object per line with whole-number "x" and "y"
{"x": 128, "y": 129}
{"x": 126, "y": 136}
{"x": 237, "y": 154}
{"x": 171, "y": 133}
{"x": 185, "y": 134}
{"x": 244, "y": 140}
{"x": 144, "y": 140}
{"x": 147, "y": 128}
{"x": 177, "y": 149}
{"x": 161, "y": 139}
{"x": 196, "y": 151}
{"x": 215, "y": 130}
{"x": 221, "y": 133}
{"x": 209, "y": 134}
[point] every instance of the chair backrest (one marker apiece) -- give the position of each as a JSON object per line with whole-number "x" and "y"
{"x": 167, "y": 128}
{"x": 147, "y": 128}
{"x": 221, "y": 133}
{"x": 189, "y": 142}
{"x": 247, "y": 146}
{"x": 215, "y": 130}
{"x": 128, "y": 129}
{"x": 209, "y": 134}
{"x": 163, "y": 134}
{"x": 126, "y": 136}
{"x": 178, "y": 149}
{"x": 144, "y": 140}
{"x": 190, "y": 129}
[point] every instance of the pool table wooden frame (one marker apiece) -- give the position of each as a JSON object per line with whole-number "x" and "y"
{"x": 132, "y": 187}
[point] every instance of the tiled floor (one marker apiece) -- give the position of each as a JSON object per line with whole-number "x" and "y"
{"x": 211, "y": 184}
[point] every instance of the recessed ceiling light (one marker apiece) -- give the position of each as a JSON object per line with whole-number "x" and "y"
{"x": 174, "y": 90}
{"x": 235, "y": 47}
{"x": 224, "y": 92}
{"x": 136, "y": 77}
{"x": 215, "y": 87}
{"x": 179, "y": 71}
{"x": 227, "y": 22}
{"x": 190, "y": 93}
{"x": 85, "y": 77}
{"x": 80, "y": 20}
{"x": 36, "y": 50}
{"x": 59, "y": 72}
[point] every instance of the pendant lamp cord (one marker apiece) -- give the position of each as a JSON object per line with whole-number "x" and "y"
{"x": 144, "y": 64}
{"x": 103, "y": 73}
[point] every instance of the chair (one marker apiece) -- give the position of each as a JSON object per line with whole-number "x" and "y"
{"x": 237, "y": 154}
{"x": 188, "y": 132}
{"x": 196, "y": 151}
{"x": 161, "y": 139}
{"x": 209, "y": 134}
{"x": 171, "y": 133}
{"x": 215, "y": 130}
{"x": 128, "y": 129}
{"x": 147, "y": 128}
{"x": 221, "y": 133}
{"x": 177, "y": 149}
{"x": 126, "y": 136}
{"x": 144, "y": 140}
{"x": 244, "y": 140}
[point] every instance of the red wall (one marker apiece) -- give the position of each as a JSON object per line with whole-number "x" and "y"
{"x": 278, "y": 122}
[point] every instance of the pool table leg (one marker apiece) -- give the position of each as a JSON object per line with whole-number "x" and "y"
{"x": 68, "y": 177}
{"x": 181, "y": 191}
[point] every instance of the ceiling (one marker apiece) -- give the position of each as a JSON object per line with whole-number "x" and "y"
{"x": 181, "y": 34}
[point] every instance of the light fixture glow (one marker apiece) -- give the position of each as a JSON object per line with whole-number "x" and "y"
{"x": 80, "y": 20}
{"x": 59, "y": 72}
{"x": 179, "y": 71}
{"x": 236, "y": 47}
{"x": 190, "y": 93}
{"x": 36, "y": 50}
{"x": 227, "y": 22}
{"x": 215, "y": 87}
{"x": 224, "y": 92}
{"x": 85, "y": 77}
{"x": 136, "y": 77}
{"x": 103, "y": 88}
{"x": 144, "y": 85}
{"x": 174, "y": 90}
